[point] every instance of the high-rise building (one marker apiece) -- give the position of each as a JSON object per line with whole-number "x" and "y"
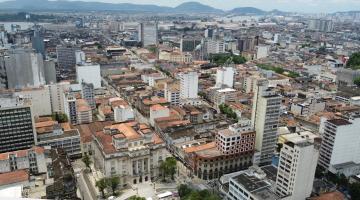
{"x": 215, "y": 46}
{"x": 189, "y": 85}
{"x": 87, "y": 93}
{"x": 24, "y": 68}
{"x": 225, "y": 77}
{"x": 340, "y": 148}
{"x": 70, "y": 107}
{"x": 148, "y": 33}
{"x": 3, "y": 77}
{"x": 322, "y": 25}
{"x": 49, "y": 71}
{"x": 297, "y": 165}
{"x": 17, "y": 130}
{"x": 38, "y": 42}
{"x": 66, "y": 57}
{"x": 189, "y": 44}
{"x": 265, "y": 119}
{"x": 247, "y": 43}
{"x": 209, "y": 33}
{"x": 57, "y": 92}
{"x": 89, "y": 73}
{"x": 80, "y": 57}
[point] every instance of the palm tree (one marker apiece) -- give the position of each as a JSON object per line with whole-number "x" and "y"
{"x": 102, "y": 185}
{"x": 87, "y": 161}
{"x": 114, "y": 183}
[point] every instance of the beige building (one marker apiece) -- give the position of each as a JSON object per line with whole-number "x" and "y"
{"x": 175, "y": 57}
{"x": 129, "y": 150}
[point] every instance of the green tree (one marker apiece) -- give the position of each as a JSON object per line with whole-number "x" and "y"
{"x": 163, "y": 169}
{"x": 354, "y": 61}
{"x": 184, "y": 190}
{"x": 114, "y": 183}
{"x": 136, "y": 198}
{"x": 102, "y": 185}
{"x": 357, "y": 81}
{"x": 171, "y": 165}
{"x": 354, "y": 191}
{"x": 60, "y": 117}
{"x": 87, "y": 161}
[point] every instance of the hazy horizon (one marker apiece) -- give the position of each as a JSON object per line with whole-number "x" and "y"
{"x": 318, "y": 6}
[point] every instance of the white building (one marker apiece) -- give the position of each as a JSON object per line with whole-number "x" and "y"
{"x": 32, "y": 159}
{"x": 249, "y": 84}
{"x": 262, "y": 52}
{"x": 80, "y": 57}
{"x": 340, "y": 149}
{"x": 189, "y": 83}
{"x": 24, "y": 68}
{"x": 39, "y": 98}
{"x": 158, "y": 111}
{"x": 123, "y": 113}
{"x": 225, "y": 76}
{"x": 215, "y": 46}
{"x": 322, "y": 25}
{"x": 52, "y": 134}
{"x": 297, "y": 165}
{"x": 254, "y": 183}
{"x": 57, "y": 92}
{"x": 265, "y": 119}
{"x": 89, "y": 73}
{"x": 70, "y": 107}
{"x": 172, "y": 93}
{"x": 308, "y": 108}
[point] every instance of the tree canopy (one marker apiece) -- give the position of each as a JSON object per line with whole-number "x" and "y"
{"x": 357, "y": 81}
{"x": 221, "y": 59}
{"x": 354, "y": 61}
{"x": 187, "y": 193}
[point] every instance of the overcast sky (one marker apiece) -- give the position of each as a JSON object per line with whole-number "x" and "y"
{"x": 286, "y": 5}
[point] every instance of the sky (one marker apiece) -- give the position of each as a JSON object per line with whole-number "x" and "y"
{"x": 318, "y": 6}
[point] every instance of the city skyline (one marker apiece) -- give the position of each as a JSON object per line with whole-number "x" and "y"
{"x": 304, "y": 6}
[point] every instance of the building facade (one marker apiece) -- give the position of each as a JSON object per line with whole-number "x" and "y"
{"x": 265, "y": 119}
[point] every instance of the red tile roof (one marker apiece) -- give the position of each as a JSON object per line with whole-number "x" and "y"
{"x": 14, "y": 177}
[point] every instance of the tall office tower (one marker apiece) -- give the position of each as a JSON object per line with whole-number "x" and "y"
{"x": 265, "y": 119}
{"x": 3, "y": 77}
{"x": 70, "y": 107}
{"x": 247, "y": 43}
{"x": 24, "y": 68}
{"x": 57, "y": 92}
{"x": 80, "y": 57}
{"x": 189, "y": 44}
{"x": 148, "y": 33}
{"x": 89, "y": 73}
{"x": 38, "y": 41}
{"x": 50, "y": 71}
{"x": 87, "y": 93}
{"x": 66, "y": 57}
{"x": 215, "y": 46}
{"x": 340, "y": 148}
{"x": 297, "y": 165}
{"x": 3, "y": 37}
{"x": 209, "y": 33}
{"x": 225, "y": 77}
{"x": 17, "y": 129}
{"x": 322, "y": 25}
{"x": 189, "y": 85}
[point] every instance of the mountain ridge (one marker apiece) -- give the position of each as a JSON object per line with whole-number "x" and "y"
{"x": 186, "y": 7}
